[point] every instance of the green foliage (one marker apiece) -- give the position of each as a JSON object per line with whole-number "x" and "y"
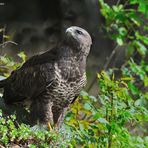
{"x": 7, "y": 64}
{"x": 13, "y": 133}
{"x": 109, "y": 119}
{"x": 126, "y": 24}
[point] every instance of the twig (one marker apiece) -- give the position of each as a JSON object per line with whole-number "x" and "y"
{"x": 110, "y": 58}
{"x": 118, "y": 2}
{"x": 3, "y": 35}
{"x": 105, "y": 66}
{"x": 7, "y": 42}
{"x": 126, "y": 3}
{"x": 2, "y": 66}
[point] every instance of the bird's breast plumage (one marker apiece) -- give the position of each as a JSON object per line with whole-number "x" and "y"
{"x": 68, "y": 82}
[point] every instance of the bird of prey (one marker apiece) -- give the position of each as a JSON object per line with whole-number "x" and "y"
{"x": 51, "y": 81}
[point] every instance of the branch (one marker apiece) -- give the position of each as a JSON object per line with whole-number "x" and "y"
{"x": 7, "y": 42}
{"x": 118, "y": 2}
{"x": 105, "y": 66}
{"x": 110, "y": 58}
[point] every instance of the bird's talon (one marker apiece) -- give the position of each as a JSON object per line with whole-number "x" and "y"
{"x": 49, "y": 126}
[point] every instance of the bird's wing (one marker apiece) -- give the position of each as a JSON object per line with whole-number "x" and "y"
{"x": 46, "y": 57}
{"x": 32, "y": 78}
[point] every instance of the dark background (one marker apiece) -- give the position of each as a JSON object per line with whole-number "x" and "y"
{"x": 38, "y": 25}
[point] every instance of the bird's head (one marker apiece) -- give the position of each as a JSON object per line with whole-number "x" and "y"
{"x": 79, "y": 39}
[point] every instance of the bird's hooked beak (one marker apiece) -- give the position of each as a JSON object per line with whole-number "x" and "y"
{"x": 70, "y": 31}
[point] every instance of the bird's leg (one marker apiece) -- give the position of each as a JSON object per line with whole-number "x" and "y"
{"x": 58, "y": 120}
{"x": 49, "y": 126}
{"x": 50, "y": 117}
{"x": 41, "y": 110}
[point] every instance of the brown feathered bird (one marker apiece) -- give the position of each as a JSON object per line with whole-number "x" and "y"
{"x": 51, "y": 81}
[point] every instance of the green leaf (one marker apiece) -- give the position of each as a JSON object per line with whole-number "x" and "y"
{"x": 22, "y": 56}
{"x": 130, "y": 50}
{"x": 84, "y": 95}
{"x": 140, "y": 48}
{"x": 143, "y": 7}
{"x": 103, "y": 120}
{"x": 134, "y": 18}
{"x": 122, "y": 31}
{"x": 133, "y": 88}
{"x": 96, "y": 116}
{"x": 119, "y": 41}
{"x": 87, "y": 106}
{"x": 146, "y": 81}
{"x": 93, "y": 98}
{"x": 32, "y": 146}
{"x": 133, "y": 1}
{"x": 143, "y": 38}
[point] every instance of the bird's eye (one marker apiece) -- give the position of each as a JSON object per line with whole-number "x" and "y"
{"x": 79, "y": 32}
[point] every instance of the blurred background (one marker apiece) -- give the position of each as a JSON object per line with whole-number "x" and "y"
{"x": 37, "y": 26}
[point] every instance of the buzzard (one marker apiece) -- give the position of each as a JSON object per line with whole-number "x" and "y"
{"x": 51, "y": 81}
